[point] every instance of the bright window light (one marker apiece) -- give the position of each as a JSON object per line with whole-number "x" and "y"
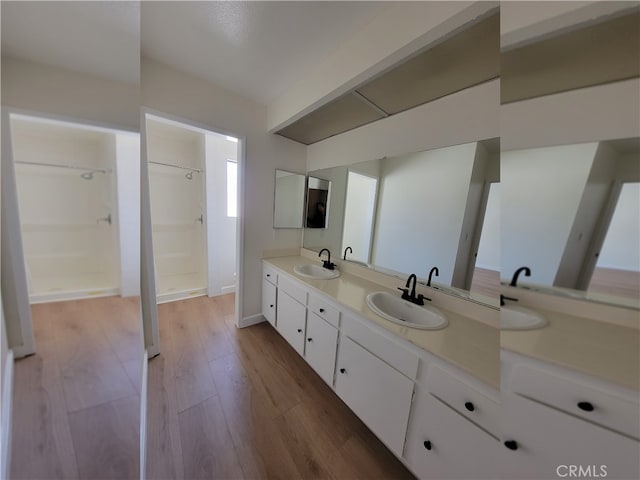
{"x": 232, "y": 139}
{"x": 232, "y": 188}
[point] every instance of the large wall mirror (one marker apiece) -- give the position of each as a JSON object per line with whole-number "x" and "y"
{"x": 571, "y": 213}
{"x": 409, "y": 213}
{"x": 288, "y": 209}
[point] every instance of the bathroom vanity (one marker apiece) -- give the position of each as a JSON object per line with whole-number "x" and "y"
{"x": 438, "y": 398}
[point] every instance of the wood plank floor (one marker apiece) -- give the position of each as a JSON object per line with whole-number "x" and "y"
{"x": 76, "y": 403}
{"x": 241, "y": 403}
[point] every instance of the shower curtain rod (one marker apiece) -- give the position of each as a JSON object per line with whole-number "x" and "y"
{"x": 71, "y": 167}
{"x": 177, "y": 166}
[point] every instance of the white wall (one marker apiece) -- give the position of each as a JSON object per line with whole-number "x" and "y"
{"x": 221, "y": 229}
{"x": 289, "y": 200}
{"x": 620, "y": 249}
{"x": 41, "y": 88}
{"x": 167, "y": 90}
{"x": 422, "y": 201}
{"x": 540, "y": 194}
{"x": 128, "y": 177}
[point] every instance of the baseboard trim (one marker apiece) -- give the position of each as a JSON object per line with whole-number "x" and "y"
{"x": 252, "y": 320}
{"x": 7, "y": 404}
{"x": 36, "y": 298}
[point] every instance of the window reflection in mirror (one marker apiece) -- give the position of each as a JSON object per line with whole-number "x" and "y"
{"x": 359, "y": 215}
{"x": 289, "y": 200}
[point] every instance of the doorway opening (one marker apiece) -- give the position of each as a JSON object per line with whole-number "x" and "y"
{"x": 193, "y": 198}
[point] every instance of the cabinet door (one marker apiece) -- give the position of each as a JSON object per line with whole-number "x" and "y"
{"x": 376, "y": 392}
{"x": 291, "y": 321}
{"x": 320, "y": 350}
{"x": 269, "y": 302}
{"x": 441, "y": 443}
{"x": 549, "y": 442}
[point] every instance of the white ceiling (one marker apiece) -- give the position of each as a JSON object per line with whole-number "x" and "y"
{"x": 96, "y": 38}
{"x": 256, "y": 49}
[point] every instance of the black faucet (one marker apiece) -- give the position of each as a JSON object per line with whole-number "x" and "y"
{"x": 503, "y": 298}
{"x": 514, "y": 280}
{"x": 345, "y": 252}
{"x": 433, "y": 270}
{"x": 327, "y": 263}
{"x": 419, "y": 300}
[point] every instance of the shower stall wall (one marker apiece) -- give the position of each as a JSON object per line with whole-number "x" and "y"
{"x": 176, "y": 180}
{"x": 66, "y": 195}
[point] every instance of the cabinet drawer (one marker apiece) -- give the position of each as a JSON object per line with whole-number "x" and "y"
{"x": 442, "y": 444}
{"x": 293, "y": 289}
{"x": 321, "y": 307}
{"x": 269, "y": 274}
{"x": 320, "y": 348}
{"x": 269, "y": 293}
{"x": 380, "y": 345}
{"x": 546, "y": 439}
{"x": 577, "y": 398}
{"x": 462, "y": 397}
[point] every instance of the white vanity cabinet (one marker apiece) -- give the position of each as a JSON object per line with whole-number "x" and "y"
{"x": 292, "y": 317}
{"x": 376, "y": 392}
{"x": 320, "y": 349}
{"x": 441, "y": 443}
{"x": 554, "y": 419}
{"x": 269, "y": 293}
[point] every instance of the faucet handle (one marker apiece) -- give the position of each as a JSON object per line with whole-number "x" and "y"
{"x": 421, "y": 297}
{"x": 405, "y": 293}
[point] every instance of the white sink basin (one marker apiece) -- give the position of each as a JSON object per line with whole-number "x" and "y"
{"x": 513, "y": 317}
{"x": 402, "y": 312}
{"x": 316, "y": 272}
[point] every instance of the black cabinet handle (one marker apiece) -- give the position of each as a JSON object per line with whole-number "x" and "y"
{"x": 343, "y": 371}
{"x": 322, "y": 310}
{"x": 586, "y": 406}
{"x": 271, "y": 306}
{"x": 511, "y": 444}
{"x": 299, "y": 330}
{"x": 427, "y": 444}
{"x": 309, "y": 340}
{"x": 268, "y": 274}
{"x": 469, "y": 406}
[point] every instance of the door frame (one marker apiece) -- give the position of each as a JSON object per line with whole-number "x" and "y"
{"x": 148, "y": 298}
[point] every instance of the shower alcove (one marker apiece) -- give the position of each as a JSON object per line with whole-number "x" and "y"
{"x": 193, "y": 237}
{"x": 68, "y": 199}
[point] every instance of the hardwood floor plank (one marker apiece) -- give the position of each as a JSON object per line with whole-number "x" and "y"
{"x": 107, "y": 440}
{"x": 41, "y": 439}
{"x": 164, "y": 447}
{"x": 207, "y": 445}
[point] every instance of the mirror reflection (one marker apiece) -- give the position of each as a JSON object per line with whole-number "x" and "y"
{"x": 410, "y": 213}
{"x": 318, "y": 195}
{"x": 571, "y": 214}
{"x": 288, "y": 211}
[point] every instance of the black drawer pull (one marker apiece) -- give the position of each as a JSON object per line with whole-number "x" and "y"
{"x": 511, "y": 444}
{"x": 299, "y": 330}
{"x": 469, "y": 406}
{"x": 271, "y": 306}
{"x": 322, "y": 310}
{"x": 586, "y": 406}
{"x": 343, "y": 371}
{"x": 427, "y": 444}
{"x": 268, "y": 275}
{"x": 309, "y": 340}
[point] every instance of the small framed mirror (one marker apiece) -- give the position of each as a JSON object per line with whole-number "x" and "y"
{"x": 318, "y": 195}
{"x": 288, "y": 209}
